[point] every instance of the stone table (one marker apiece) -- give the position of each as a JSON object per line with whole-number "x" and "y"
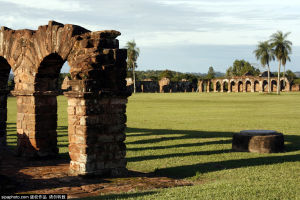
{"x": 258, "y": 141}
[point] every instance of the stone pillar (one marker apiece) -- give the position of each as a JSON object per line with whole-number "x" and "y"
{"x": 261, "y": 85}
{"x": 3, "y": 117}
{"x": 96, "y": 127}
{"x": 253, "y": 86}
{"x": 208, "y": 86}
{"x": 36, "y": 123}
{"x": 222, "y": 87}
{"x": 245, "y": 86}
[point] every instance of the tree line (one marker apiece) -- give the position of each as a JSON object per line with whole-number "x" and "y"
{"x": 276, "y": 47}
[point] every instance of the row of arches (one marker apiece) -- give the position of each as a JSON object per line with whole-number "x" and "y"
{"x": 219, "y": 85}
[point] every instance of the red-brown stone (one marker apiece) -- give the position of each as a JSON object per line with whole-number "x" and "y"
{"x": 97, "y": 94}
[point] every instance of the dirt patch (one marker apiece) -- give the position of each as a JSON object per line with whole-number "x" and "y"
{"x": 52, "y": 176}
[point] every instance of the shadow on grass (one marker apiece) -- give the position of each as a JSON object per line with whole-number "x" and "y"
{"x": 178, "y": 135}
{"x": 197, "y": 153}
{"x": 191, "y": 170}
{"x": 292, "y": 143}
{"x": 120, "y": 196}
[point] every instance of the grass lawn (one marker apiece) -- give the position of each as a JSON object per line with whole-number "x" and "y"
{"x": 188, "y": 136}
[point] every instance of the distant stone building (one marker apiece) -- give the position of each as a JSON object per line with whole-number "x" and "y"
{"x": 166, "y": 85}
{"x": 244, "y": 84}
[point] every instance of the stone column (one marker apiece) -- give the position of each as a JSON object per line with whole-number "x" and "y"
{"x": 253, "y": 86}
{"x": 261, "y": 85}
{"x": 222, "y": 87}
{"x": 208, "y": 86}
{"x": 244, "y": 86}
{"x": 3, "y": 117}
{"x": 96, "y": 127}
{"x": 36, "y": 123}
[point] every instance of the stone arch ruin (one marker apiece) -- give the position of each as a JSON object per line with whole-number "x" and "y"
{"x": 245, "y": 84}
{"x": 96, "y": 102}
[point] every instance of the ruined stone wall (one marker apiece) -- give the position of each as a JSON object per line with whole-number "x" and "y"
{"x": 295, "y": 87}
{"x": 166, "y": 86}
{"x": 97, "y": 99}
{"x": 144, "y": 86}
{"x": 244, "y": 84}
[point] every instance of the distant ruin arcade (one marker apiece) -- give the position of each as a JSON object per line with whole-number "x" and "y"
{"x": 96, "y": 100}
{"x": 244, "y": 84}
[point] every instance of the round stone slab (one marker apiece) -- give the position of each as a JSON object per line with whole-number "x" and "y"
{"x": 258, "y": 141}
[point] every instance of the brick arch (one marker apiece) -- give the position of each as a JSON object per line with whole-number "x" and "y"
{"x": 225, "y": 86}
{"x": 240, "y": 86}
{"x": 232, "y": 85}
{"x": 274, "y": 85}
{"x": 254, "y": 83}
{"x": 248, "y": 85}
{"x": 48, "y": 72}
{"x": 218, "y": 86}
{"x": 96, "y": 103}
{"x": 256, "y": 86}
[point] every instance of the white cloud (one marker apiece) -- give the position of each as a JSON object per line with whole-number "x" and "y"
{"x": 59, "y": 5}
{"x": 169, "y": 23}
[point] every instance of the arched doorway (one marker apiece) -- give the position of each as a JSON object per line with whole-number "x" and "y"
{"x": 47, "y": 87}
{"x": 211, "y": 86}
{"x": 256, "y": 86}
{"x": 232, "y": 86}
{"x": 248, "y": 86}
{"x": 218, "y": 86}
{"x": 273, "y": 86}
{"x": 240, "y": 86}
{"x": 283, "y": 86}
{"x": 225, "y": 86}
{"x": 265, "y": 86}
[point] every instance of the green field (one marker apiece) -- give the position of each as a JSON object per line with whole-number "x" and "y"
{"x": 188, "y": 136}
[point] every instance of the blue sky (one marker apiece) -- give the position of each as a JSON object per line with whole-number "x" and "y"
{"x": 181, "y": 35}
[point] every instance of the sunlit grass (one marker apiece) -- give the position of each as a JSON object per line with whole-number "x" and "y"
{"x": 188, "y": 136}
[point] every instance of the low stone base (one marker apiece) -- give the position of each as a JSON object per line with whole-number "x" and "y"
{"x": 258, "y": 141}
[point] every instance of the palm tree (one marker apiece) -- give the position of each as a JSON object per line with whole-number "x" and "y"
{"x": 265, "y": 54}
{"x": 132, "y": 54}
{"x": 282, "y": 49}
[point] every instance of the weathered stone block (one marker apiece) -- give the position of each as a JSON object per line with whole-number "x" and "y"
{"x": 259, "y": 141}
